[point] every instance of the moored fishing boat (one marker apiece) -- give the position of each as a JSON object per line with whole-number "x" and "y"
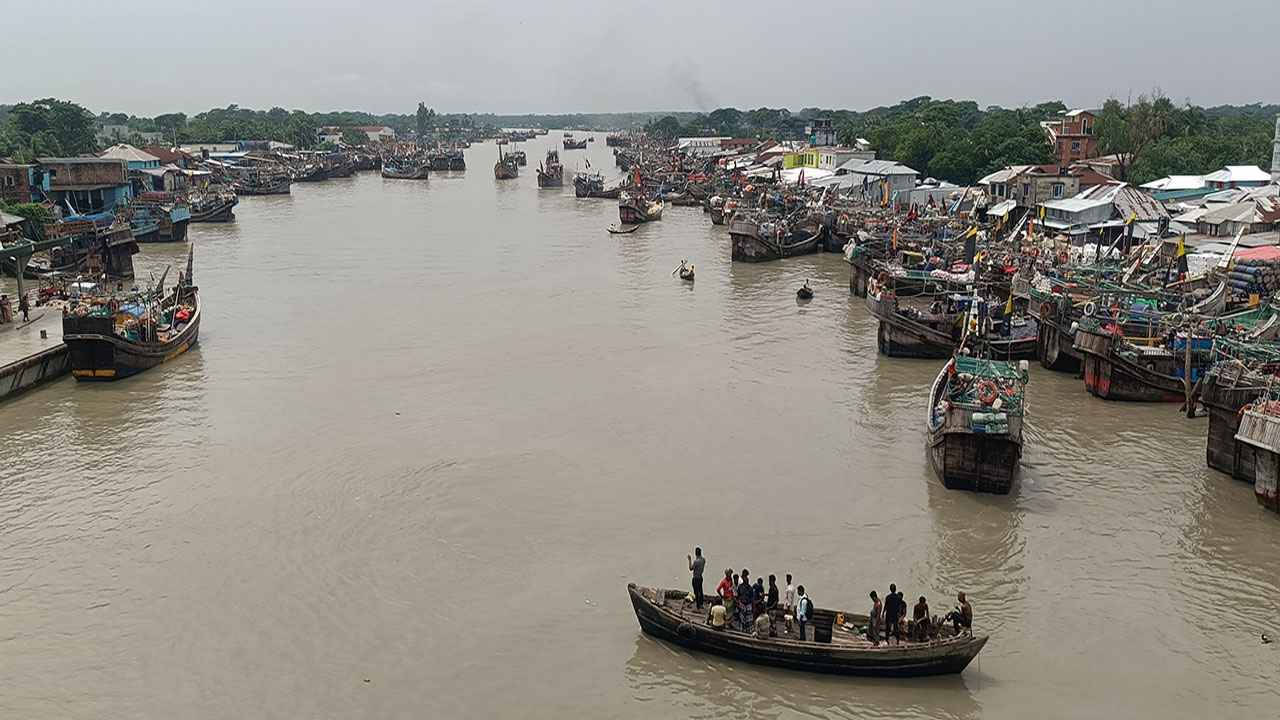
{"x": 258, "y": 182}
{"x": 758, "y": 237}
{"x": 837, "y": 646}
{"x": 213, "y": 206}
{"x": 974, "y": 426}
{"x": 634, "y": 208}
{"x": 403, "y": 170}
{"x": 570, "y": 144}
{"x": 591, "y": 185}
{"x": 112, "y": 337}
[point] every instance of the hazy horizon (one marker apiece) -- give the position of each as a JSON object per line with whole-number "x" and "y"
{"x": 492, "y": 56}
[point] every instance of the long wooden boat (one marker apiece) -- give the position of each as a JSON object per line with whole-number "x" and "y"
{"x": 1117, "y": 369}
{"x": 759, "y": 238}
{"x": 830, "y": 649}
{"x": 572, "y": 145}
{"x": 634, "y": 209}
{"x": 591, "y": 185}
{"x": 271, "y": 185}
{"x": 911, "y": 332}
{"x": 974, "y": 424}
{"x": 99, "y": 352}
{"x": 220, "y": 208}
{"x": 394, "y": 171}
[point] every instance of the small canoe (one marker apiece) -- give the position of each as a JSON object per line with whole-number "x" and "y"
{"x": 805, "y": 293}
{"x": 670, "y": 616}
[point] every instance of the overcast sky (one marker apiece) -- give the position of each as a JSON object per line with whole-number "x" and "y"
{"x": 149, "y": 57}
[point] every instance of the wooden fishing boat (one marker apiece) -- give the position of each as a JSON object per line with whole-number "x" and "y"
{"x": 1118, "y": 368}
{"x": 114, "y": 339}
{"x": 263, "y": 184}
{"x": 457, "y": 161}
{"x": 570, "y": 144}
{"x": 551, "y": 172}
{"x": 912, "y": 328}
{"x": 213, "y": 207}
{"x": 519, "y": 156}
{"x": 757, "y": 237}
{"x": 506, "y": 167}
{"x": 805, "y": 292}
{"x": 834, "y": 648}
{"x": 1055, "y": 336}
{"x": 591, "y": 185}
{"x": 405, "y": 171}
{"x": 634, "y": 209}
{"x": 974, "y": 425}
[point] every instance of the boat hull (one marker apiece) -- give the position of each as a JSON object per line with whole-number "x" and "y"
{"x": 897, "y": 661}
{"x": 222, "y": 213}
{"x": 974, "y": 461}
{"x": 103, "y": 357}
{"x": 1110, "y": 377}
{"x": 749, "y": 246}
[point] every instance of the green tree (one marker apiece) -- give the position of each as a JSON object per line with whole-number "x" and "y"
{"x": 353, "y": 137}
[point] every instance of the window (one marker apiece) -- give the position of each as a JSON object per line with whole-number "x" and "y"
{"x": 1075, "y": 146}
{"x": 1057, "y": 190}
{"x": 8, "y": 181}
{"x": 1026, "y": 190}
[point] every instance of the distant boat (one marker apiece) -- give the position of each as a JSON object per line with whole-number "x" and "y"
{"x": 591, "y": 185}
{"x": 551, "y": 173}
{"x": 506, "y": 167}
{"x": 572, "y": 145}
{"x": 400, "y": 170}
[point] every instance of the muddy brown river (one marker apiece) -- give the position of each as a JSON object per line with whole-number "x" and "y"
{"x": 432, "y": 430}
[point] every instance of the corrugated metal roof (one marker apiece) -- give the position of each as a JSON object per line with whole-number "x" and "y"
{"x": 1239, "y": 173}
{"x": 128, "y": 153}
{"x": 6, "y": 219}
{"x": 877, "y": 167}
{"x": 1004, "y": 175}
{"x": 1176, "y": 182}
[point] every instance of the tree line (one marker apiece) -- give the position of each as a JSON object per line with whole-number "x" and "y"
{"x": 953, "y": 140}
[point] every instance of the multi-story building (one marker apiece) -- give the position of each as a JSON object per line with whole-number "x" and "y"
{"x": 1073, "y": 136}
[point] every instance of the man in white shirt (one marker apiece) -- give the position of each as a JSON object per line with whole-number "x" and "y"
{"x": 789, "y": 597}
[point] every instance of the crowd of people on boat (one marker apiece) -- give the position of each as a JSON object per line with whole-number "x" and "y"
{"x": 754, "y": 608}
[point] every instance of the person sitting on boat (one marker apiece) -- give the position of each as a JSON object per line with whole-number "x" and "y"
{"x": 717, "y": 617}
{"x": 745, "y": 597}
{"x": 920, "y": 620}
{"x": 962, "y": 617}
{"x": 762, "y": 626}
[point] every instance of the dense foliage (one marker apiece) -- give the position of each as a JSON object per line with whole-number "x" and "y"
{"x": 45, "y": 127}
{"x": 952, "y": 140}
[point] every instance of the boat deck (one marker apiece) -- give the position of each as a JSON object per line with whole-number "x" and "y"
{"x": 849, "y": 635}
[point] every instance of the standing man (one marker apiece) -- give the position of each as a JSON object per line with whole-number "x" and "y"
{"x": 789, "y": 598}
{"x": 696, "y": 564}
{"x": 804, "y": 608}
{"x": 24, "y": 306}
{"x": 894, "y": 609}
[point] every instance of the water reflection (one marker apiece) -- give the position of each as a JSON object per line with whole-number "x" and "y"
{"x": 704, "y": 686}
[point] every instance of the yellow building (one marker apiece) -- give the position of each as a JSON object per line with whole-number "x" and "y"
{"x": 803, "y": 158}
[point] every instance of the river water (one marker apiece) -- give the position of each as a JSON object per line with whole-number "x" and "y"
{"x": 432, "y": 430}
